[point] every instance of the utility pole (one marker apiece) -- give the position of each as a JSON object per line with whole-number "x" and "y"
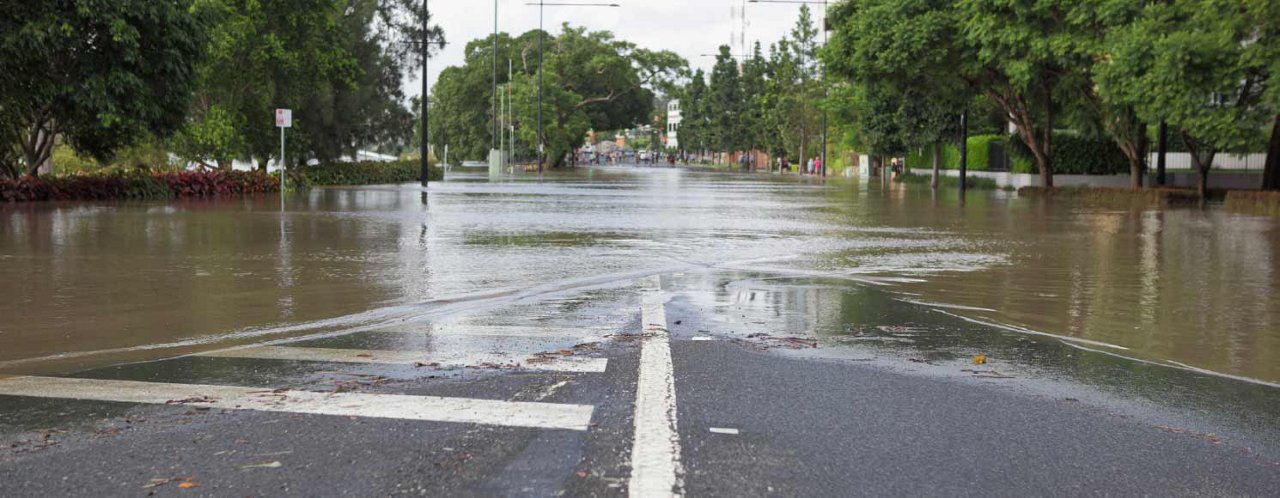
{"x": 541, "y": 35}
{"x": 964, "y": 150}
{"x": 495, "y": 74}
{"x": 511, "y": 109}
{"x": 424, "y": 174}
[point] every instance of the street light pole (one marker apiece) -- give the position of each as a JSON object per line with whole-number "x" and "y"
{"x": 541, "y": 35}
{"x": 495, "y": 75}
{"x": 424, "y": 174}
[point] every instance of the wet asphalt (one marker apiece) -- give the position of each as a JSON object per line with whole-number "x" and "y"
{"x": 826, "y": 387}
{"x": 807, "y": 426}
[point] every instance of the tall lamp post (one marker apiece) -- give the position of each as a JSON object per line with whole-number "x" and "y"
{"x": 824, "y": 88}
{"x": 424, "y": 141}
{"x": 541, "y": 145}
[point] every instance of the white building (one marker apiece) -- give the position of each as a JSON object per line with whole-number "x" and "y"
{"x": 673, "y": 124}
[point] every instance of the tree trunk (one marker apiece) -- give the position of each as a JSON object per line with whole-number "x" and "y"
{"x": 1203, "y": 161}
{"x": 1135, "y": 173}
{"x": 1203, "y": 174}
{"x": 937, "y": 165}
{"x": 1271, "y": 172}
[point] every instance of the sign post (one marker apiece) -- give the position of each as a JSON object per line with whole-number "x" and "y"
{"x": 284, "y": 119}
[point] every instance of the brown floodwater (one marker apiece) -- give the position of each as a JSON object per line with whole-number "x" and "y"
{"x": 89, "y": 283}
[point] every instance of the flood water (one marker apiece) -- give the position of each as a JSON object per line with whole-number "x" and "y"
{"x": 87, "y": 284}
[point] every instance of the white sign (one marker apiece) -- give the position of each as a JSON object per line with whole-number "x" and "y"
{"x": 284, "y": 118}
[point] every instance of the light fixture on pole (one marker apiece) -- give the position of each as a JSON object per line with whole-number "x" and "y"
{"x": 541, "y": 35}
{"x": 824, "y": 88}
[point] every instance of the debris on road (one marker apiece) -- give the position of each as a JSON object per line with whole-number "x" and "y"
{"x": 274, "y": 464}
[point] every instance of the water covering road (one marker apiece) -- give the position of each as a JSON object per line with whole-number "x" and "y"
{"x": 87, "y": 284}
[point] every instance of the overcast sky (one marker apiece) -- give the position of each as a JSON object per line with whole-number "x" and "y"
{"x": 687, "y": 27}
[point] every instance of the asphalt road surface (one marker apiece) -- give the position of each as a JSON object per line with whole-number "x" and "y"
{"x": 678, "y": 407}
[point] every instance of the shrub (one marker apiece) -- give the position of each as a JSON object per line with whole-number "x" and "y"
{"x": 136, "y": 185}
{"x": 979, "y": 154}
{"x": 1075, "y": 155}
{"x": 367, "y": 173}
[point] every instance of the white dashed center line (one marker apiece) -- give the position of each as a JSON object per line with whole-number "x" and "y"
{"x": 655, "y": 452}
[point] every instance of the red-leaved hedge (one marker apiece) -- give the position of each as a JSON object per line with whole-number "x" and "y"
{"x": 137, "y": 185}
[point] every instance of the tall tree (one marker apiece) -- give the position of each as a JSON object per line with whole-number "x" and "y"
{"x": 903, "y": 60}
{"x": 97, "y": 74}
{"x": 725, "y": 102}
{"x": 590, "y": 81}
{"x": 1025, "y": 56}
{"x": 693, "y": 125}
{"x": 1200, "y": 65}
{"x": 755, "y": 73}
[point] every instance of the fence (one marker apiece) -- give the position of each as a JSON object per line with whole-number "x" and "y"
{"x": 1221, "y": 161}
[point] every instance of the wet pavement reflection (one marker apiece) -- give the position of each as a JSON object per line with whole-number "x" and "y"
{"x": 854, "y": 264}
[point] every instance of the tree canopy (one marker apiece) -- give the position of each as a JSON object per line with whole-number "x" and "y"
{"x": 590, "y": 80}
{"x": 97, "y": 75}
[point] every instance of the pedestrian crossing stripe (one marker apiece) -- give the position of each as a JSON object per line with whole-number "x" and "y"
{"x": 553, "y": 363}
{"x": 389, "y": 406}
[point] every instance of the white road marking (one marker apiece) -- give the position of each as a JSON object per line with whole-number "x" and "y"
{"x": 1021, "y": 330}
{"x": 655, "y": 451}
{"x": 515, "y": 331}
{"x": 394, "y": 406}
{"x": 554, "y": 364}
{"x": 723, "y": 430}
{"x": 703, "y": 338}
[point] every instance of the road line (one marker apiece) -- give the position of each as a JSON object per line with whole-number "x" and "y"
{"x": 703, "y": 338}
{"x": 451, "y": 329}
{"x": 655, "y": 451}
{"x": 723, "y": 430}
{"x": 392, "y": 406}
{"x": 551, "y": 364}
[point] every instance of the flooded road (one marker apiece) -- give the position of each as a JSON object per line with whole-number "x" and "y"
{"x": 87, "y": 285}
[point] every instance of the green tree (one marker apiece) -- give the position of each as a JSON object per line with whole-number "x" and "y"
{"x": 693, "y": 125}
{"x": 901, "y": 60}
{"x": 725, "y": 103}
{"x": 755, "y": 73}
{"x": 590, "y": 81}
{"x": 337, "y": 63}
{"x": 1201, "y": 65}
{"x": 97, "y": 74}
{"x": 1025, "y": 56}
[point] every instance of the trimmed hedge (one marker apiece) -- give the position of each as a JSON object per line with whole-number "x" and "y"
{"x": 1074, "y": 155}
{"x": 136, "y": 185}
{"x": 368, "y": 173}
{"x": 979, "y": 154}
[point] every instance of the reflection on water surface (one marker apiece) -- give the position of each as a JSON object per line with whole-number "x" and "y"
{"x": 1179, "y": 285}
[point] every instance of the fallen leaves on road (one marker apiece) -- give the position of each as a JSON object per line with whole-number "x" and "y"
{"x": 1212, "y": 438}
{"x": 783, "y": 342}
{"x": 420, "y": 364}
{"x": 980, "y": 359}
{"x": 988, "y": 374}
{"x": 364, "y": 355}
{"x": 193, "y": 399}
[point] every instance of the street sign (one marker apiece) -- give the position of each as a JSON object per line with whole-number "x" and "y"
{"x": 284, "y": 118}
